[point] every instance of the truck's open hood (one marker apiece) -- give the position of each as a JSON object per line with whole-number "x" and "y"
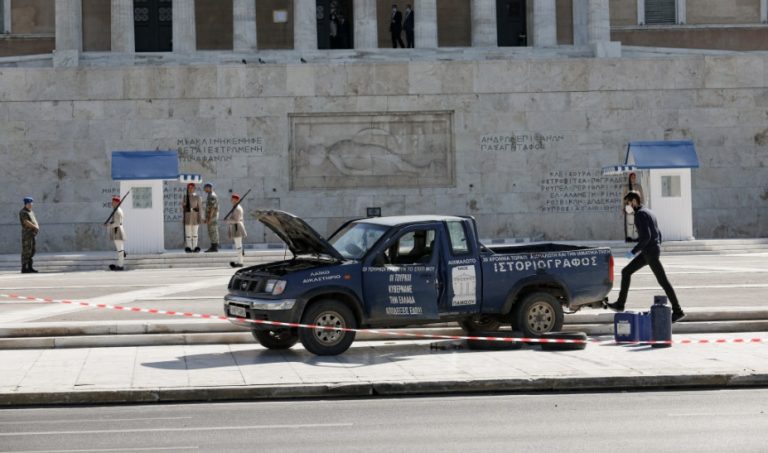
{"x": 301, "y": 238}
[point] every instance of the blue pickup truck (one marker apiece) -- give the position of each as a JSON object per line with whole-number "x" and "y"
{"x": 409, "y": 270}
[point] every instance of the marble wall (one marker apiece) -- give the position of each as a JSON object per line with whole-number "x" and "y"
{"x": 525, "y": 140}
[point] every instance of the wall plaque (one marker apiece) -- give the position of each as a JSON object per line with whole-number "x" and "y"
{"x": 391, "y": 150}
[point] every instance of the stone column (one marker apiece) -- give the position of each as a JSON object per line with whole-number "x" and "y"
{"x": 123, "y": 36}
{"x": 184, "y": 32}
{"x": 69, "y": 32}
{"x": 599, "y": 27}
{"x": 764, "y": 11}
{"x": 367, "y": 25}
{"x": 425, "y": 24}
{"x": 244, "y": 25}
{"x": 580, "y": 23}
{"x": 599, "y": 30}
{"x": 544, "y": 23}
{"x": 5, "y": 15}
{"x": 484, "y": 32}
{"x": 304, "y": 25}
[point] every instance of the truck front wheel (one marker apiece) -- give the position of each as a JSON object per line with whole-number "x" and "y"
{"x": 538, "y": 314}
{"x": 276, "y": 339}
{"x": 332, "y": 340}
{"x": 480, "y": 323}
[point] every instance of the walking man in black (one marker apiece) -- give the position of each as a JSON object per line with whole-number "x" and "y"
{"x": 396, "y": 27}
{"x": 408, "y": 26}
{"x": 646, "y": 252}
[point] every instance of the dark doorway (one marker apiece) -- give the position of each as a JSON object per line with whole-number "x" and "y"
{"x": 334, "y": 24}
{"x": 512, "y": 24}
{"x": 153, "y": 25}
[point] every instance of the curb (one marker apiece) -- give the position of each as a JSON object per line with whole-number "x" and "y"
{"x": 369, "y": 389}
{"x": 201, "y": 337}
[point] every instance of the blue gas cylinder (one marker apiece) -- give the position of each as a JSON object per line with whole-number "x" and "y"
{"x": 661, "y": 322}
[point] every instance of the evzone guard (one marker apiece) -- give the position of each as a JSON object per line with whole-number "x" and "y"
{"x": 117, "y": 233}
{"x": 236, "y": 229}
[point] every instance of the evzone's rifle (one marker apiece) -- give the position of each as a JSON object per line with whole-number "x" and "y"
{"x": 109, "y": 219}
{"x": 237, "y": 204}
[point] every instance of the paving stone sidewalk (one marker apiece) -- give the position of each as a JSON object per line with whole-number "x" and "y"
{"x": 245, "y": 371}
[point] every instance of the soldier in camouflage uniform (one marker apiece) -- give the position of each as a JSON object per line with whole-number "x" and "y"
{"x": 29, "y": 230}
{"x": 212, "y": 217}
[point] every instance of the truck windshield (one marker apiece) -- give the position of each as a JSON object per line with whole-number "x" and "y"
{"x": 354, "y": 240}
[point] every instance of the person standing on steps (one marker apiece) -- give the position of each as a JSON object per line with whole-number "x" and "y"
{"x": 646, "y": 252}
{"x": 408, "y": 26}
{"x": 117, "y": 234}
{"x": 212, "y": 217}
{"x": 29, "y": 230}
{"x": 237, "y": 230}
{"x": 396, "y": 27}
{"x": 191, "y": 205}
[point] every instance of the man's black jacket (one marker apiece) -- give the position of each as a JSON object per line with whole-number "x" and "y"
{"x": 408, "y": 24}
{"x": 396, "y": 26}
{"x": 648, "y": 234}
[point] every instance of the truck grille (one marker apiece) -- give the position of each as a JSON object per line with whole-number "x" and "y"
{"x": 253, "y": 285}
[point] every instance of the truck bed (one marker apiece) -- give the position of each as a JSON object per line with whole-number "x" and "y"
{"x": 545, "y": 247}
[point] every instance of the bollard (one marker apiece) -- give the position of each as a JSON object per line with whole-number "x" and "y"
{"x": 661, "y": 322}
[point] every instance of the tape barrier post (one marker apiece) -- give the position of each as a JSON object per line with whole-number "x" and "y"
{"x": 393, "y": 333}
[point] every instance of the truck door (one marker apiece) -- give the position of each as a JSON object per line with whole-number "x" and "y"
{"x": 463, "y": 270}
{"x": 401, "y": 279}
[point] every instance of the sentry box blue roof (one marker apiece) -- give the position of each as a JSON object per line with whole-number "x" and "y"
{"x": 662, "y": 154}
{"x": 656, "y": 155}
{"x": 133, "y": 165}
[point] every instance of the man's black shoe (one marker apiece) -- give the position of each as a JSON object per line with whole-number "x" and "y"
{"x": 112, "y": 267}
{"x": 213, "y": 248}
{"x": 197, "y": 249}
{"x": 24, "y": 270}
{"x": 32, "y": 270}
{"x": 615, "y": 306}
{"x": 234, "y": 264}
{"x": 677, "y": 316}
{"x": 118, "y": 268}
{"x": 187, "y": 249}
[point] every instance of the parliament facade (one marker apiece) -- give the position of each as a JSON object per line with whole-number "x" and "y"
{"x": 504, "y": 110}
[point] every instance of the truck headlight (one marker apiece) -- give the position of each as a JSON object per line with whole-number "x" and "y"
{"x": 276, "y": 287}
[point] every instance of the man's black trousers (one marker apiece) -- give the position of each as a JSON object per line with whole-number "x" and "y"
{"x": 397, "y": 39}
{"x": 651, "y": 259}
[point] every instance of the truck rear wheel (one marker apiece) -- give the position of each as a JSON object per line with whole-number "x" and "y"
{"x": 480, "y": 323}
{"x": 276, "y": 339}
{"x": 328, "y": 313}
{"x": 538, "y": 313}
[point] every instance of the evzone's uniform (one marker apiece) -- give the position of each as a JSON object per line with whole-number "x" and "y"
{"x": 191, "y": 206}
{"x": 117, "y": 235}
{"x": 236, "y": 229}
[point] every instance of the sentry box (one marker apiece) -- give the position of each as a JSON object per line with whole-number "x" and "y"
{"x": 632, "y": 326}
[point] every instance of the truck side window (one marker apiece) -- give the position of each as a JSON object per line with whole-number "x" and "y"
{"x": 414, "y": 247}
{"x": 458, "y": 237}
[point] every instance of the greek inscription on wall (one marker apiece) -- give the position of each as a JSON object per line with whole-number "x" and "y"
{"x": 173, "y": 194}
{"x": 217, "y": 149}
{"x": 580, "y": 190}
{"x": 521, "y": 142}
{"x": 330, "y": 151}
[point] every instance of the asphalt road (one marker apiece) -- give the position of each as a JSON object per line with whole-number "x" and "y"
{"x": 700, "y": 281}
{"x": 704, "y": 421}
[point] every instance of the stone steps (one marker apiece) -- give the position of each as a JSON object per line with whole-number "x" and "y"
{"x": 66, "y": 262}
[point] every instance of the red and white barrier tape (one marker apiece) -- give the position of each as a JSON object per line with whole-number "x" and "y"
{"x": 393, "y": 333}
